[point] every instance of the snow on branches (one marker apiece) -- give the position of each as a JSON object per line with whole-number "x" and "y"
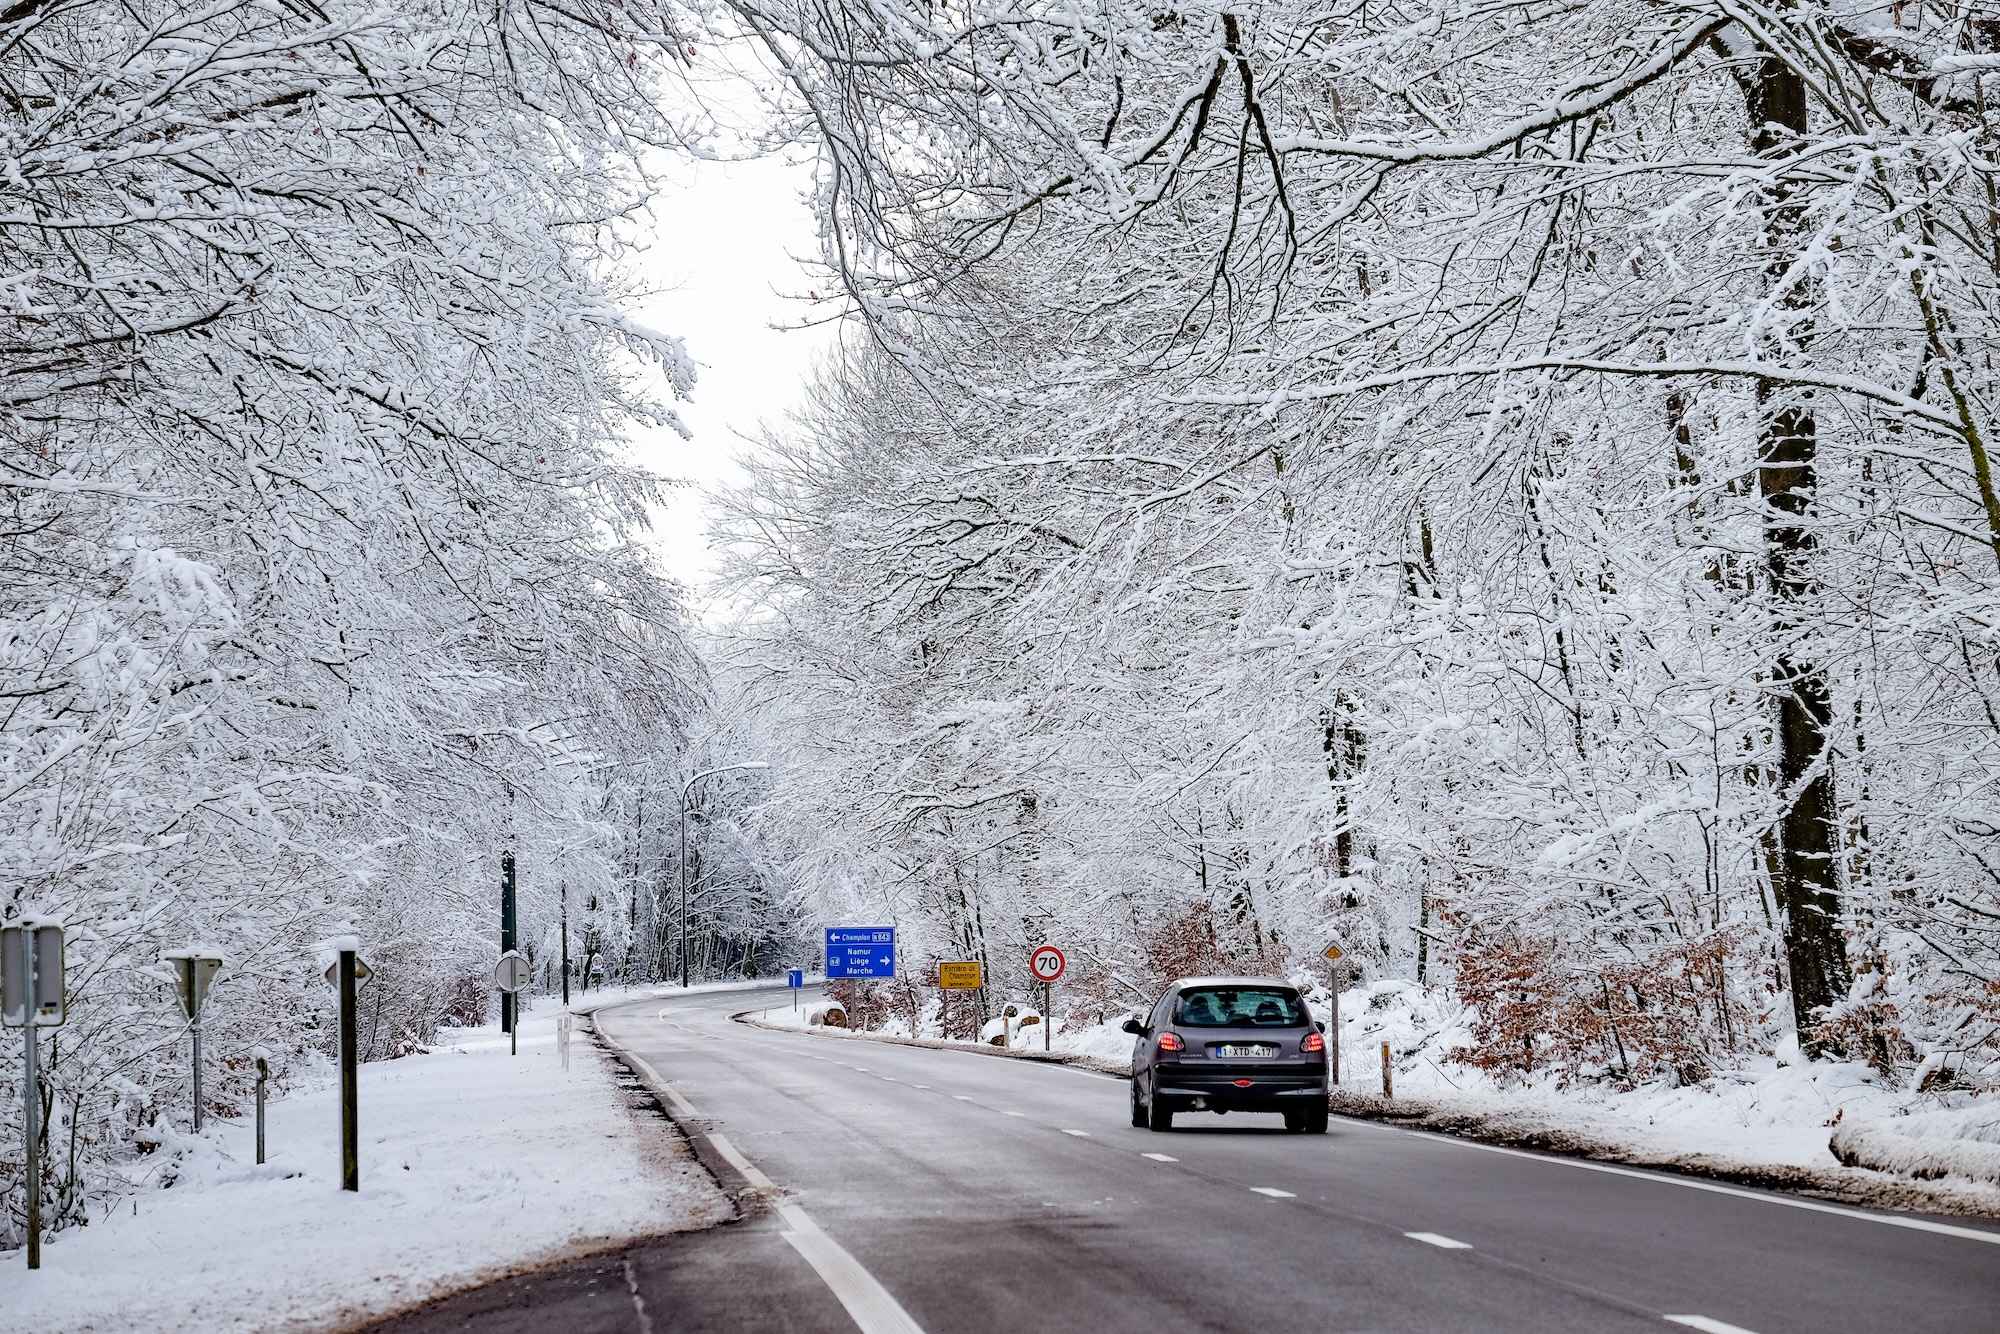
{"x": 322, "y": 578}
{"x": 1489, "y": 484}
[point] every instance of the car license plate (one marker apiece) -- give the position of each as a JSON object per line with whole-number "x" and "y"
{"x": 1244, "y": 1051}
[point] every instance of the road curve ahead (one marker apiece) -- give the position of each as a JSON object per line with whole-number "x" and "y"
{"x": 894, "y": 1189}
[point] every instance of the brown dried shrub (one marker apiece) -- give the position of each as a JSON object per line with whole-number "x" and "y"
{"x": 1537, "y": 1010}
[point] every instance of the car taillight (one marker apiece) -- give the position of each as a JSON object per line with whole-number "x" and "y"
{"x": 1171, "y": 1042}
{"x": 1315, "y": 1042}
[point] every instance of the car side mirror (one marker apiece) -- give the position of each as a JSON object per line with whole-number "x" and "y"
{"x": 1134, "y": 1027}
{"x": 1320, "y": 1024}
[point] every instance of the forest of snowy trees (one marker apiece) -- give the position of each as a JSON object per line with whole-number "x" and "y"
{"x": 325, "y": 567}
{"x": 1503, "y": 486}
{"x": 1506, "y": 487}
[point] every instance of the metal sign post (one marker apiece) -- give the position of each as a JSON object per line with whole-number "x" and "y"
{"x": 508, "y": 928}
{"x": 510, "y": 975}
{"x": 31, "y": 997}
{"x": 195, "y": 971}
{"x": 796, "y": 980}
{"x": 348, "y": 974}
{"x": 263, "y": 1078}
{"x": 1048, "y": 964}
{"x": 350, "y": 1072}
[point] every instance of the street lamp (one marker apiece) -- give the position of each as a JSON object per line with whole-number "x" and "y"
{"x": 685, "y": 789}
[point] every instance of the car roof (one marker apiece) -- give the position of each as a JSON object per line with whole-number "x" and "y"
{"x": 1190, "y": 983}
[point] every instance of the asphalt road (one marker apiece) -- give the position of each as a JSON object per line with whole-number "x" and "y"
{"x": 895, "y": 1189}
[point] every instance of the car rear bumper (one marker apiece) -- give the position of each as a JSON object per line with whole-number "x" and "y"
{"x": 1263, "y": 1086}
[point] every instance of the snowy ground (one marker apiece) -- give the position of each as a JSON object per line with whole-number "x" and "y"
{"x": 473, "y": 1163}
{"x": 1771, "y": 1112}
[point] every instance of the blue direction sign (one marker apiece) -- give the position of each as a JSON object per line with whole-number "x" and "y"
{"x": 796, "y": 978}
{"x": 861, "y": 951}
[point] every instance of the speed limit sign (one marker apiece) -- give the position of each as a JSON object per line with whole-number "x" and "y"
{"x": 1047, "y": 963}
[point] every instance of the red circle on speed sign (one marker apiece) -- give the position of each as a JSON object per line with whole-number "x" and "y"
{"x": 1047, "y": 963}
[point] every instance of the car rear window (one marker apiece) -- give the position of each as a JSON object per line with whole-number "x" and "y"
{"x": 1239, "y": 1007}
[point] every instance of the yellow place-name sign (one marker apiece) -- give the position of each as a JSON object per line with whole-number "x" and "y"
{"x": 960, "y": 976}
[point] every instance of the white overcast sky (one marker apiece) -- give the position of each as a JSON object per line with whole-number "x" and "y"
{"x": 724, "y": 248}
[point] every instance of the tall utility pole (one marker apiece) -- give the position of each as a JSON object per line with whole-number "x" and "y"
{"x": 685, "y": 789}
{"x": 507, "y": 929}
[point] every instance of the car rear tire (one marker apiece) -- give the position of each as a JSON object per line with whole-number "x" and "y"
{"x": 1295, "y": 1119}
{"x": 1159, "y": 1116}
{"x": 1138, "y": 1109}
{"x": 1316, "y": 1120}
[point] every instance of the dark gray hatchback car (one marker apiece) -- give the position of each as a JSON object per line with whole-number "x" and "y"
{"x": 1229, "y": 1044}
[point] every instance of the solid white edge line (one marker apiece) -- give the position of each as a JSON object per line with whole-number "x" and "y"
{"x": 1717, "y": 1188}
{"x": 871, "y": 1306}
{"x": 739, "y": 1162}
{"x": 1273, "y": 1192}
{"x": 1706, "y": 1325}
{"x": 1439, "y": 1240}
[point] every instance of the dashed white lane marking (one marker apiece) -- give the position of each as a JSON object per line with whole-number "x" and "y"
{"x": 1441, "y": 1242}
{"x": 1705, "y": 1324}
{"x": 1160, "y": 1157}
{"x": 1015, "y": 1113}
{"x": 1080, "y": 1134}
{"x": 925, "y": 1087}
{"x": 1688, "y": 1183}
{"x": 960, "y": 1097}
{"x": 1273, "y": 1192}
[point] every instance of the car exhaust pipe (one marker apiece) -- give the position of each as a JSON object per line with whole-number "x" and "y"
{"x": 1199, "y": 1105}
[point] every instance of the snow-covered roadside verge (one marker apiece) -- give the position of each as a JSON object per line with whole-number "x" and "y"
{"x": 474, "y": 1164}
{"x": 1773, "y": 1122}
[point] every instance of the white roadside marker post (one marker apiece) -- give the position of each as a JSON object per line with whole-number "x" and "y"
{"x": 31, "y": 997}
{"x": 1388, "y": 1083}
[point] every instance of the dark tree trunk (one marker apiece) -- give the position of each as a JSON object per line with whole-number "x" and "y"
{"x": 1806, "y": 878}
